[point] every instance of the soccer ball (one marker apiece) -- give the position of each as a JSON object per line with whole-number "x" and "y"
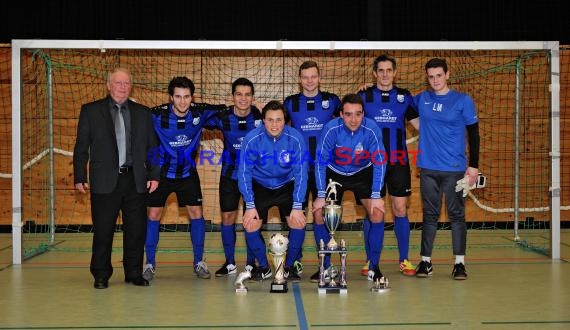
{"x": 278, "y": 243}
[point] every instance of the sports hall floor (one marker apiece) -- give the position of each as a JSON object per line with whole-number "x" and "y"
{"x": 509, "y": 287}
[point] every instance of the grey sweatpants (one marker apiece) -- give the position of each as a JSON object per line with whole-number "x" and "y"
{"x": 433, "y": 185}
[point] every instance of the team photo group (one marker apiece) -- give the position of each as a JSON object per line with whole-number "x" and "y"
{"x": 311, "y": 146}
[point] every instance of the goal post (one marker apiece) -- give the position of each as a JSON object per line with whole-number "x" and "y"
{"x": 52, "y": 78}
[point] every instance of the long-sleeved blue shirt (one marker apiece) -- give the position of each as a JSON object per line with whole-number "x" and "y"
{"x": 273, "y": 162}
{"x": 346, "y": 152}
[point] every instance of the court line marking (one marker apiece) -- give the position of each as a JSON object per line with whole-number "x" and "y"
{"x": 301, "y": 316}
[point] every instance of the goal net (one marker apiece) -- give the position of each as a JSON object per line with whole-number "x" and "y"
{"x": 509, "y": 82}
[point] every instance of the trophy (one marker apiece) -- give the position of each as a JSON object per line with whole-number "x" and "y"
{"x": 332, "y": 214}
{"x": 240, "y": 287}
{"x": 278, "y": 247}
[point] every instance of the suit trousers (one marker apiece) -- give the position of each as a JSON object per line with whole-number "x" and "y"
{"x": 104, "y": 212}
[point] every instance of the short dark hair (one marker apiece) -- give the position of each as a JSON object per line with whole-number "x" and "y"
{"x": 437, "y": 63}
{"x": 181, "y": 82}
{"x": 307, "y": 65}
{"x": 272, "y": 106}
{"x": 242, "y": 82}
{"x": 383, "y": 58}
{"x": 352, "y": 99}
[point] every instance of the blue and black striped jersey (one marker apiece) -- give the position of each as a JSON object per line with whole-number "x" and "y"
{"x": 234, "y": 129}
{"x": 180, "y": 136}
{"x": 390, "y": 110}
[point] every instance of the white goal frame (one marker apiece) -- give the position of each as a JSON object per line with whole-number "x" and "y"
{"x": 19, "y": 45}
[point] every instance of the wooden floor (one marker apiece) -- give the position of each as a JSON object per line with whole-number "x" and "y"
{"x": 509, "y": 287}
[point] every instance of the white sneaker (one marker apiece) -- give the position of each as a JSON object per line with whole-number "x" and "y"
{"x": 148, "y": 272}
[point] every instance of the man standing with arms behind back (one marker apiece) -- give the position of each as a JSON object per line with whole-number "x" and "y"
{"x": 241, "y": 118}
{"x": 445, "y": 116}
{"x": 115, "y": 135}
{"x": 178, "y": 125}
{"x": 390, "y": 107}
{"x": 309, "y": 111}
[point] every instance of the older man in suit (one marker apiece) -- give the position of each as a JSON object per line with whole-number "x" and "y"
{"x": 115, "y": 135}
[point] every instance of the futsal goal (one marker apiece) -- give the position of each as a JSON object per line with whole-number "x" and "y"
{"x": 515, "y": 86}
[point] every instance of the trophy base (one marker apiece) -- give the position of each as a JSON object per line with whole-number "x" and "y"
{"x": 380, "y": 289}
{"x": 381, "y": 286}
{"x": 333, "y": 290}
{"x": 279, "y": 288}
{"x": 241, "y": 290}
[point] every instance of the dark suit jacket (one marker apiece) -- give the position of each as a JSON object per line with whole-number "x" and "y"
{"x": 96, "y": 142}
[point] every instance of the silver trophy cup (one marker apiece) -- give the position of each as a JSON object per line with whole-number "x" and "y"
{"x": 331, "y": 216}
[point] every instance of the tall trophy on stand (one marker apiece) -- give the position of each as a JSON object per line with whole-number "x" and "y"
{"x": 332, "y": 215}
{"x": 278, "y": 247}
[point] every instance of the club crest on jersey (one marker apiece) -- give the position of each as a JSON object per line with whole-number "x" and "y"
{"x": 257, "y": 122}
{"x": 195, "y": 121}
{"x": 400, "y": 98}
{"x": 325, "y": 104}
{"x": 358, "y": 148}
{"x": 285, "y": 157}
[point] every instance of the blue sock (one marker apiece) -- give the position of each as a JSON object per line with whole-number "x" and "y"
{"x": 229, "y": 242}
{"x": 250, "y": 257}
{"x": 296, "y": 239}
{"x": 376, "y": 241}
{"x": 366, "y": 231}
{"x": 402, "y": 231}
{"x": 152, "y": 233}
{"x": 321, "y": 232}
{"x": 255, "y": 243}
{"x": 198, "y": 236}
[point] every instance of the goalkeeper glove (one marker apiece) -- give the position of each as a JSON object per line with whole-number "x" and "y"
{"x": 463, "y": 184}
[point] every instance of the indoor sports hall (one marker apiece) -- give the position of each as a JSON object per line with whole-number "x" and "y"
{"x": 518, "y": 224}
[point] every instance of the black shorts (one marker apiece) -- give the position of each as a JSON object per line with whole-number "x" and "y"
{"x": 265, "y": 199}
{"x": 229, "y": 194}
{"x": 188, "y": 191}
{"x": 360, "y": 183}
{"x": 398, "y": 180}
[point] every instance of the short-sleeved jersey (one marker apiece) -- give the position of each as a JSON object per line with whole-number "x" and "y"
{"x": 309, "y": 114}
{"x": 443, "y": 119}
{"x": 234, "y": 128}
{"x": 390, "y": 110}
{"x": 180, "y": 136}
{"x": 347, "y": 153}
{"x": 273, "y": 162}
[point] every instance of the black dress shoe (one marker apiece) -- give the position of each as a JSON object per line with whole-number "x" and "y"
{"x": 138, "y": 281}
{"x": 101, "y": 284}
